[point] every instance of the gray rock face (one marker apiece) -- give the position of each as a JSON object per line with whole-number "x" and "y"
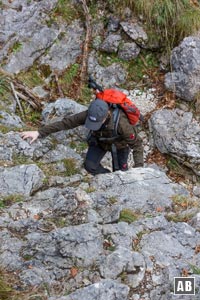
{"x": 23, "y": 179}
{"x": 176, "y": 132}
{"x": 128, "y": 51}
{"x": 83, "y": 244}
{"x": 61, "y": 107}
{"x": 124, "y": 260}
{"x": 113, "y": 24}
{"x": 65, "y": 52}
{"x": 111, "y": 43}
{"x": 31, "y": 50}
{"x": 20, "y": 22}
{"x": 106, "y": 76}
{"x": 105, "y": 289}
{"x": 10, "y": 120}
{"x": 185, "y": 60}
{"x": 52, "y": 251}
{"x": 135, "y": 189}
{"x": 135, "y": 32}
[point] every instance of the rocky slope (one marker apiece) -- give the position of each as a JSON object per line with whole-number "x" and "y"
{"x": 123, "y": 235}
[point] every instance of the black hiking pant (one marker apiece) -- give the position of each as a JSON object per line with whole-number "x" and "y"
{"x": 95, "y": 154}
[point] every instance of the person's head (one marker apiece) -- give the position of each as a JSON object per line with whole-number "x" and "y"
{"x": 97, "y": 114}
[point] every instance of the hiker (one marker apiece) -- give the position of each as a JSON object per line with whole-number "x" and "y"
{"x": 103, "y": 136}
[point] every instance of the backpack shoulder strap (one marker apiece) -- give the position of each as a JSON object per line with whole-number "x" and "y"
{"x": 116, "y": 115}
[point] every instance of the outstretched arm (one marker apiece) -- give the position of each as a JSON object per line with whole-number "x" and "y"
{"x": 67, "y": 122}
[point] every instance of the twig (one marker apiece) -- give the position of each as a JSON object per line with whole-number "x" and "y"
{"x": 187, "y": 164}
{"x": 34, "y": 101}
{"x": 16, "y": 98}
{"x": 58, "y": 85}
{"x": 83, "y": 73}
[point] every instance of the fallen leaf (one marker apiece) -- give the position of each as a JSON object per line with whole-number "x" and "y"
{"x": 159, "y": 209}
{"x": 74, "y": 272}
{"x": 197, "y": 249}
{"x": 185, "y": 273}
{"x": 36, "y": 217}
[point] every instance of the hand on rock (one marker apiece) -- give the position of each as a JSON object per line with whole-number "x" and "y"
{"x": 30, "y": 134}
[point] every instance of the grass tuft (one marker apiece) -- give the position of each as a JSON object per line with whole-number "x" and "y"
{"x": 172, "y": 20}
{"x": 127, "y": 215}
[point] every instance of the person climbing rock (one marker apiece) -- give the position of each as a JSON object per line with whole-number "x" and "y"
{"x": 110, "y": 130}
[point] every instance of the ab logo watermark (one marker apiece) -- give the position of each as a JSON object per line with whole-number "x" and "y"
{"x": 184, "y": 285}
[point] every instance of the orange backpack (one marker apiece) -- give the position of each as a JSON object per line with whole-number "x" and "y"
{"x": 116, "y": 97}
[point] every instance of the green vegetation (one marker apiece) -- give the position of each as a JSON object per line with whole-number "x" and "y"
{"x": 31, "y": 77}
{"x": 4, "y": 87}
{"x": 66, "y": 10}
{"x": 183, "y": 202}
{"x": 85, "y": 95}
{"x": 51, "y": 169}
{"x": 69, "y": 81}
{"x": 195, "y": 269}
{"x": 127, "y": 215}
{"x": 20, "y": 159}
{"x": 78, "y": 146}
{"x": 70, "y": 165}
{"x": 181, "y": 206}
{"x": 177, "y": 217}
{"x": 68, "y": 77}
{"x": 112, "y": 200}
{"x": 5, "y": 129}
{"x": 175, "y": 167}
{"x": 5, "y": 289}
{"x": 106, "y": 59}
{"x": 90, "y": 189}
{"x": 16, "y": 47}
{"x": 144, "y": 65}
{"x": 9, "y": 200}
{"x": 171, "y": 20}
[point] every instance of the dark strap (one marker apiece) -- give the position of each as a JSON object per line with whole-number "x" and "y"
{"x": 115, "y": 163}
